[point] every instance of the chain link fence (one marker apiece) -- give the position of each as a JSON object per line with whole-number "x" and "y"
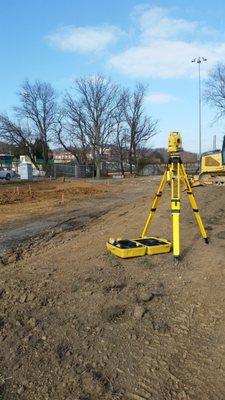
{"x": 72, "y": 171}
{"x": 158, "y": 169}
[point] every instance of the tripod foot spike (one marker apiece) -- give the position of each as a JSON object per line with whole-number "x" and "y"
{"x": 206, "y": 240}
{"x": 176, "y": 260}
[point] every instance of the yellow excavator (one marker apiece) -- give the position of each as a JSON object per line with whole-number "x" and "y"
{"x": 212, "y": 168}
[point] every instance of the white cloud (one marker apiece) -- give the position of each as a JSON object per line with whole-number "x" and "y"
{"x": 165, "y": 47}
{"x": 159, "y": 98}
{"x": 83, "y": 39}
{"x": 166, "y": 59}
{"x": 160, "y": 46}
{"x": 157, "y": 23}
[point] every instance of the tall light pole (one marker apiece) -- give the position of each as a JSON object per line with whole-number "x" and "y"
{"x": 199, "y": 60}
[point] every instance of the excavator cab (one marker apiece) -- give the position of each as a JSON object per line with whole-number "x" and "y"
{"x": 213, "y": 166}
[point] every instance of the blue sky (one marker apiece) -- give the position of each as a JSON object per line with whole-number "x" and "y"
{"x": 127, "y": 40}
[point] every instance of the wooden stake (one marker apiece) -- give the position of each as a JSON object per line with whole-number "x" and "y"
{"x": 30, "y": 191}
{"x": 62, "y": 199}
{"x": 17, "y": 190}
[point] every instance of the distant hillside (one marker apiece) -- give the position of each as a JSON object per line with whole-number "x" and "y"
{"x": 160, "y": 154}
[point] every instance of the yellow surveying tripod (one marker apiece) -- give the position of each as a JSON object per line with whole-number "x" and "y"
{"x": 176, "y": 172}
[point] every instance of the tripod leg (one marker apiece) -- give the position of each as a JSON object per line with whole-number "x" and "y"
{"x": 193, "y": 204}
{"x": 175, "y": 208}
{"x": 154, "y": 205}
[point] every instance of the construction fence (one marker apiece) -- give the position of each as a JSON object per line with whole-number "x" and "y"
{"x": 72, "y": 171}
{"x": 158, "y": 169}
{"x": 67, "y": 170}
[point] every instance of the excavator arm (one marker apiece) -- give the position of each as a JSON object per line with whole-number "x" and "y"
{"x": 223, "y": 151}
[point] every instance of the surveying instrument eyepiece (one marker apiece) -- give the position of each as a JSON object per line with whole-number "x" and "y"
{"x": 175, "y": 174}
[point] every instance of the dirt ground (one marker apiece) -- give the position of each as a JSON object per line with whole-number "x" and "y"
{"x": 21, "y": 201}
{"x": 76, "y": 323}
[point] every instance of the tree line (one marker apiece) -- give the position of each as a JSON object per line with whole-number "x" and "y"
{"x": 94, "y": 113}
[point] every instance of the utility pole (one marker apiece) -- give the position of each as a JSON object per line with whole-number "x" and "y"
{"x": 214, "y": 142}
{"x": 199, "y": 60}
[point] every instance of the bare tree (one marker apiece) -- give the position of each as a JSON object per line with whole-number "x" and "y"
{"x": 21, "y": 137}
{"x": 35, "y": 120}
{"x": 38, "y": 112}
{"x": 121, "y": 138}
{"x": 72, "y": 132}
{"x": 91, "y": 115}
{"x": 96, "y": 112}
{"x": 141, "y": 127}
{"x": 215, "y": 90}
